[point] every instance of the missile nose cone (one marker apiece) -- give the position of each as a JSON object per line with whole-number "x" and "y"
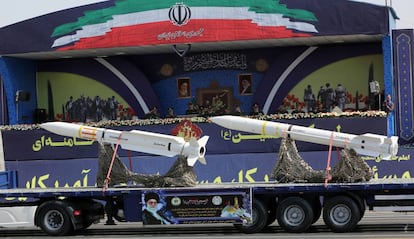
{"x": 61, "y": 128}
{"x": 45, "y": 126}
{"x": 223, "y": 120}
{"x": 51, "y": 126}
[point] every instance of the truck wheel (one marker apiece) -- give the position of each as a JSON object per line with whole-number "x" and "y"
{"x": 259, "y": 219}
{"x": 271, "y": 216}
{"x": 362, "y": 211}
{"x": 317, "y": 211}
{"x": 341, "y": 214}
{"x": 85, "y": 225}
{"x": 55, "y": 221}
{"x": 294, "y": 214}
{"x": 361, "y": 205}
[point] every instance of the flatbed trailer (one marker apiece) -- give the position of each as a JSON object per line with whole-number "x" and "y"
{"x": 249, "y": 206}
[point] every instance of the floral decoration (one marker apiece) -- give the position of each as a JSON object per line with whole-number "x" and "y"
{"x": 169, "y": 121}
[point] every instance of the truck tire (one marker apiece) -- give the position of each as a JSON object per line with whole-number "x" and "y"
{"x": 271, "y": 216}
{"x": 317, "y": 211}
{"x": 55, "y": 221}
{"x": 341, "y": 214}
{"x": 294, "y": 214}
{"x": 361, "y": 205}
{"x": 86, "y": 225}
{"x": 259, "y": 219}
{"x": 362, "y": 211}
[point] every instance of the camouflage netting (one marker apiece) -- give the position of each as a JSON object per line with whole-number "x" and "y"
{"x": 292, "y": 168}
{"x": 351, "y": 168}
{"x": 179, "y": 175}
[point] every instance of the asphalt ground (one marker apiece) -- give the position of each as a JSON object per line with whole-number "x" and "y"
{"x": 385, "y": 225}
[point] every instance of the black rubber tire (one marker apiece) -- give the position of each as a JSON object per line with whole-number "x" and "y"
{"x": 55, "y": 221}
{"x": 361, "y": 205}
{"x": 259, "y": 216}
{"x": 317, "y": 211}
{"x": 294, "y": 214}
{"x": 271, "y": 216}
{"x": 85, "y": 225}
{"x": 341, "y": 214}
{"x": 362, "y": 212}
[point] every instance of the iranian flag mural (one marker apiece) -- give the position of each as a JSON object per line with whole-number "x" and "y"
{"x": 137, "y": 23}
{"x": 140, "y": 23}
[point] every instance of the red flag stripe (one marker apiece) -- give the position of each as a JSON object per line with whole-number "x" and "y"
{"x": 197, "y": 31}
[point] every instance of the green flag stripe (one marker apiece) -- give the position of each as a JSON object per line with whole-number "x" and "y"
{"x": 131, "y": 6}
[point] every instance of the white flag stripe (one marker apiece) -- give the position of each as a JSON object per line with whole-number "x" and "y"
{"x": 197, "y": 13}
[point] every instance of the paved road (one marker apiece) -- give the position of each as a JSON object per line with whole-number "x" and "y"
{"x": 383, "y": 225}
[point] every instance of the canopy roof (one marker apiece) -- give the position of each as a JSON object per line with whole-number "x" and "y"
{"x": 130, "y": 27}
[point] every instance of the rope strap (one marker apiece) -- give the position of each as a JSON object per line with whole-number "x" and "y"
{"x": 108, "y": 175}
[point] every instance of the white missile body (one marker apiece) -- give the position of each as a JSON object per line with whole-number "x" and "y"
{"x": 366, "y": 144}
{"x": 136, "y": 140}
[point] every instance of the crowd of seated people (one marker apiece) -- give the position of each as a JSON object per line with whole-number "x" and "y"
{"x": 208, "y": 110}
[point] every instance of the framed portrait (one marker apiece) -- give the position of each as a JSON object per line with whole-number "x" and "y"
{"x": 183, "y": 87}
{"x": 218, "y": 100}
{"x": 245, "y": 84}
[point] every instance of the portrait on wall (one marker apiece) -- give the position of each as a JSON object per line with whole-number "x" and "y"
{"x": 245, "y": 84}
{"x": 215, "y": 99}
{"x": 183, "y": 87}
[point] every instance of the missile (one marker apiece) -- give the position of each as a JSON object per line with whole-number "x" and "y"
{"x": 135, "y": 140}
{"x": 365, "y": 144}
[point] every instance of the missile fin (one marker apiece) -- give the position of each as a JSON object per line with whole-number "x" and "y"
{"x": 192, "y": 160}
{"x": 202, "y": 160}
{"x": 376, "y": 145}
{"x": 203, "y": 141}
{"x": 201, "y": 145}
